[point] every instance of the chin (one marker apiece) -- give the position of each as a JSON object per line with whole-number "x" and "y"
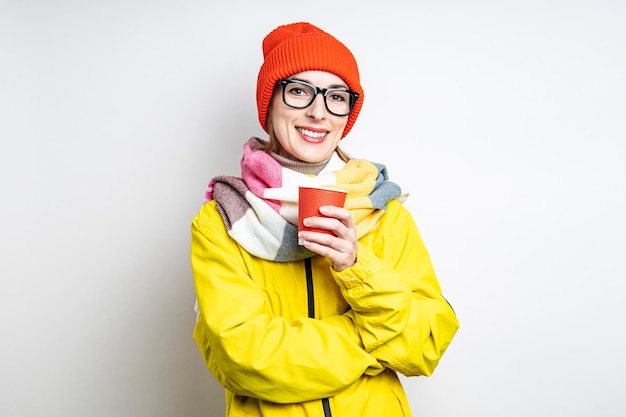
{"x": 314, "y": 158}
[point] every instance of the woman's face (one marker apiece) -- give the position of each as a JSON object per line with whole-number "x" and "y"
{"x": 313, "y": 133}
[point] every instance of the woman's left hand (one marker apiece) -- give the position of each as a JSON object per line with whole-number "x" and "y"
{"x": 340, "y": 248}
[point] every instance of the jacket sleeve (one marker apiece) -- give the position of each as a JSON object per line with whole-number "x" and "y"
{"x": 399, "y": 310}
{"x": 250, "y": 351}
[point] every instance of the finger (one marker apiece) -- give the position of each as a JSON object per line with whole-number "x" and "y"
{"x": 325, "y": 223}
{"x": 339, "y": 259}
{"x": 336, "y": 212}
{"x": 322, "y": 244}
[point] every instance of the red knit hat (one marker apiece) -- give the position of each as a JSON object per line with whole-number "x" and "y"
{"x": 298, "y": 47}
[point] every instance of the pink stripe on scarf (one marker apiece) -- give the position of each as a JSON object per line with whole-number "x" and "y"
{"x": 260, "y": 171}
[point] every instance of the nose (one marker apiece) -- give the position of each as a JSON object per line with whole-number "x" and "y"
{"x": 317, "y": 109}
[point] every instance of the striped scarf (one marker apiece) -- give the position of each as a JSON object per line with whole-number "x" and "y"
{"x": 260, "y": 209}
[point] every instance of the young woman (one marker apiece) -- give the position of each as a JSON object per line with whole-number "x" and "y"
{"x": 321, "y": 328}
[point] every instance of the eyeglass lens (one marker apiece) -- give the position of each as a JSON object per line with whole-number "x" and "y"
{"x": 301, "y": 95}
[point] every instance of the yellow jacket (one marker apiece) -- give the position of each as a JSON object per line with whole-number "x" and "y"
{"x": 385, "y": 314}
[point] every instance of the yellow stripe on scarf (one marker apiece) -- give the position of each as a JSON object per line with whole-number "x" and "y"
{"x": 358, "y": 178}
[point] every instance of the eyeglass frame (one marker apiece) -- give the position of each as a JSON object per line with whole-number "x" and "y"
{"x": 317, "y": 90}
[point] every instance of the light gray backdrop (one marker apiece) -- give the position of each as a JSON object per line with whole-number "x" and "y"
{"x": 504, "y": 120}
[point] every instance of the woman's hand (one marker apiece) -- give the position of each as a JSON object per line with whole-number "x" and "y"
{"x": 341, "y": 248}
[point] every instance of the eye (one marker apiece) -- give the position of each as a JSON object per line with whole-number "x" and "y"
{"x": 296, "y": 91}
{"x": 338, "y": 96}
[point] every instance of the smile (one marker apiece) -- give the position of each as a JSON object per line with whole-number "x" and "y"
{"x": 311, "y": 134}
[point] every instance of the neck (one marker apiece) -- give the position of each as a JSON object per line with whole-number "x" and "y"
{"x": 307, "y": 168}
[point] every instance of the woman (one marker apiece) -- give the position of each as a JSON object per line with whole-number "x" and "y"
{"x": 322, "y": 328}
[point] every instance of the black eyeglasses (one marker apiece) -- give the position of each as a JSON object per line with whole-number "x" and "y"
{"x": 300, "y": 95}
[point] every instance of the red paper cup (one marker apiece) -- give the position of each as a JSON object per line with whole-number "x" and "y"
{"x": 311, "y": 199}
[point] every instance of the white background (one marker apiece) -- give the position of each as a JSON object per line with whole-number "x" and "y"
{"x": 504, "y": 120}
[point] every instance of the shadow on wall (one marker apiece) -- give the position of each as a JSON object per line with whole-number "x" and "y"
{"x": 160, "y": 371}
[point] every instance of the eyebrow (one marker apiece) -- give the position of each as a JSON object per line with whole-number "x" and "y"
{"x": 331, "y": 86}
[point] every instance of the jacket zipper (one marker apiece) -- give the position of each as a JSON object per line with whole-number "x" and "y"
{"x": 311, "y": 310}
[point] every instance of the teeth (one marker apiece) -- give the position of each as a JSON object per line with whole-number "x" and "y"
{"x": 312, "y": 134}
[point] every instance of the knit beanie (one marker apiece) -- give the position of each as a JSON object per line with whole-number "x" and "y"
{"x": 298, "y": 47}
